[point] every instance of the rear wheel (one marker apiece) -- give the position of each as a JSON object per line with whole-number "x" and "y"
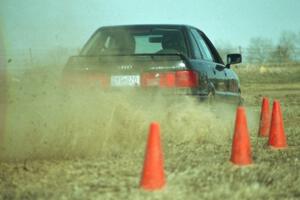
{"x": 211, "y": 98}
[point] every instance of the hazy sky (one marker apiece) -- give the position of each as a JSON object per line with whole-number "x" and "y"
{"x": 45, "y": 24}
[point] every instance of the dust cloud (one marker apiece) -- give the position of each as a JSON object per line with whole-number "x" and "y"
{"x": 45, "y": 120}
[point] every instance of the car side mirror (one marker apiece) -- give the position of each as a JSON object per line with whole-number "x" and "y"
{"x": 234, "y": 58}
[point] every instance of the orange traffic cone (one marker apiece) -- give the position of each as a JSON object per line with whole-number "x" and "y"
{"x": 241, "y": 148}
{"x": 277, "y": 137}
{"x": 265, "y": 118}
{"x": 153, "y": 176}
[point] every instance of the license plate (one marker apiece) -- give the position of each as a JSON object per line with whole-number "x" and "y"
{"x": 125, "y": 80}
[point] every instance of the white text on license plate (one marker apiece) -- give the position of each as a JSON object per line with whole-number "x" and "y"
{"x": 125, "y": 80}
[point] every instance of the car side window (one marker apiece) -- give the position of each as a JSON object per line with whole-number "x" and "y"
{"x": 196, "y": 49}
{"x": 207, "y": 55}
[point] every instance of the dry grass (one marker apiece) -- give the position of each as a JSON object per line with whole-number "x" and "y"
{"x": 89, "y": 144}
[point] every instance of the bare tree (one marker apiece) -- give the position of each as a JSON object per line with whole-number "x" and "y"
{"x": 297, "y": 48}
{"x": 285, "y": 49}
{"x": 259, "y": 50}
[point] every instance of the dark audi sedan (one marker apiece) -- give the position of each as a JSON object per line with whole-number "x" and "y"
{"x": 176, "y": 59}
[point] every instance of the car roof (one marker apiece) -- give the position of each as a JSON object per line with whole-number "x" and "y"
{"x": 176, "y": 26}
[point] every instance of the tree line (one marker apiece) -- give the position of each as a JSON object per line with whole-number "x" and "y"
{"x": 286, "y": 50}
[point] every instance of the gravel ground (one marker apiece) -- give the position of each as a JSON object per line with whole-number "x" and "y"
{"x": 86, "y": 144}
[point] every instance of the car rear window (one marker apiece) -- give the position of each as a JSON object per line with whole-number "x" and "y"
{"x": 125, "y": 41}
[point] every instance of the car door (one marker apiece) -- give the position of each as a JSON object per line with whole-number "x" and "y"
{"x": 233, "y": 82}
{"x": 218, "y": 76}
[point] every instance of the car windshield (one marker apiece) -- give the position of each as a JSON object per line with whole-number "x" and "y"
{"x": 128, "y": 41}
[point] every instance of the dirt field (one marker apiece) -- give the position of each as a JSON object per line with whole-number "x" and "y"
{"x": 88, "y": 144}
